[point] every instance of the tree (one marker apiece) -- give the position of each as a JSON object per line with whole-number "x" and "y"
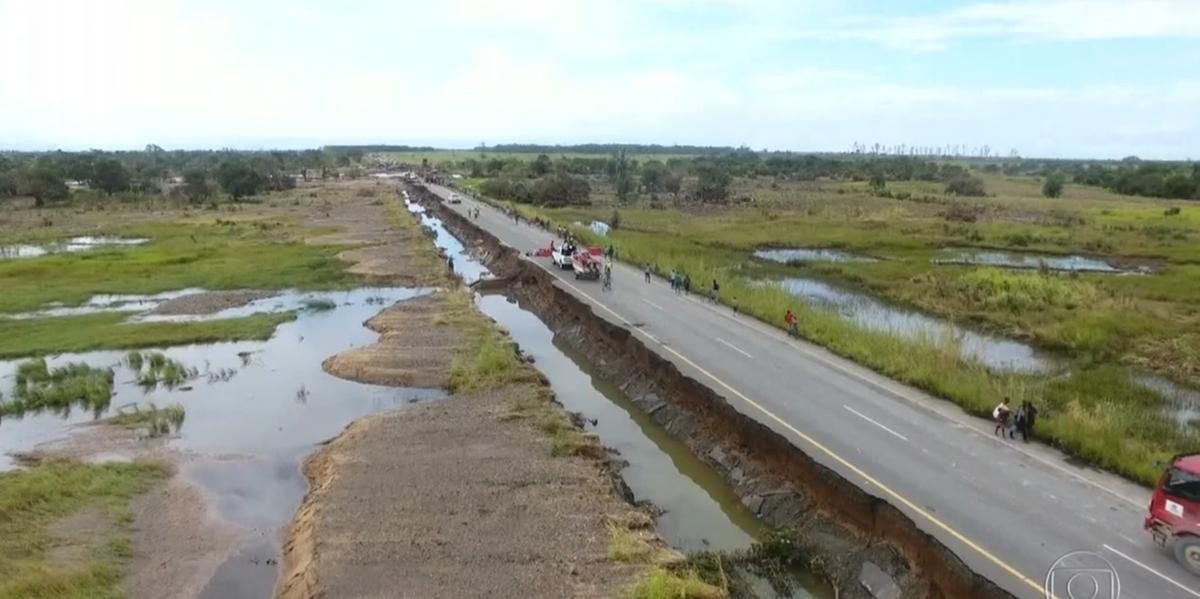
{"x": 654, "y": 175}
{"x": 196, "y": 185}
{"x": 1179, "y": 186}
{"x": 541, "y": 166}
{"x": 561, "y": 190}
{"x": 965, "y": 185}
{"x": 239, "y": 179}
{"x": 673, "y": 183}
{"x": 622, "y": 175}
{"x": 43, "y": 183}
{"x": 878, "y": 183}
{"x": 713, "y": 182}
{"x": 110, "y": 176}
{"x": 1053, "y": 187}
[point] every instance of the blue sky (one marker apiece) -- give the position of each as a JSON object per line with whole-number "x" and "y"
{"x": 1089, "y": 78}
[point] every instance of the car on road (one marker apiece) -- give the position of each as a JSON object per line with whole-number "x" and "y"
{"x": 455, "y": 198}
{"x": 1173, "y": 518}
{"x": 563, "y": 256}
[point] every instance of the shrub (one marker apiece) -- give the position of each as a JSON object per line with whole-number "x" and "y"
{"x": 966, "y": 185}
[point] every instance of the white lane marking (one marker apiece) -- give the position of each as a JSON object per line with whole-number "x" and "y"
{"x": 651, "y": 303}
{"x": 812, "y": 353}
{"x": 1154, "y": 572}
{"x": 869, "y": 419}
{"x": 734, "y": 348}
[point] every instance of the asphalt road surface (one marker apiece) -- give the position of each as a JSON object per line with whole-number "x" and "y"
{"x": 1010, "y": 510}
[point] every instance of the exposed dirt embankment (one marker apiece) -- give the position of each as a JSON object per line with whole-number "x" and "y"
{"x": 841, "y": 527}
{"x": 414, "y": 348}
{"x": 458, "y": 498}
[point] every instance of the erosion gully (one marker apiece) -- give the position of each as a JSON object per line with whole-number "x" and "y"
{"x": 846, "y": 534}
{"x": 697, "y": 510}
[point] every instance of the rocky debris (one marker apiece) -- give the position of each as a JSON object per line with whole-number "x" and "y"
{"x": 877, "y": 582}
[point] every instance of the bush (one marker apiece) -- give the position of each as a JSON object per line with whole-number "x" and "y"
{"x": 1053, "y": 187}
{"x": 561, "y": 190}
{"x": 966, "y": 185}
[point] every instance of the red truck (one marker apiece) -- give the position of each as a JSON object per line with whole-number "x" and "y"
{"x": 1174, "y": 515}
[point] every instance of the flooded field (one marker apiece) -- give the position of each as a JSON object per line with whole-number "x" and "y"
{"x": 74, "y": 244}
{"x": 995, "y": 352}
{"x": 1031, "y": 261}
{"x": 788, "y": 255}
{"x": 253, "y": 411}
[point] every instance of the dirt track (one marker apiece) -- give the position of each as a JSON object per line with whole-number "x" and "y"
{"x": 445, "y": 500}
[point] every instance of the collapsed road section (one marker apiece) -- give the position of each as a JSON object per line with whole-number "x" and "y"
{"x": 863, "y": 544}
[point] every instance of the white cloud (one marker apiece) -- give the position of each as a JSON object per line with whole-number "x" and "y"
{"x": 1030, "y": 20}
{"x": 196, "y": 73}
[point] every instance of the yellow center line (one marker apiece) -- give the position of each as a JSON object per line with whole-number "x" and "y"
{"x": 834, "y": 455}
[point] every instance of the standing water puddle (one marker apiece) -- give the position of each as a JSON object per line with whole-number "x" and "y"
{"x": 995, "y": 352}
{"x": 700, "y": 511}
{"x": 253, "y": 412}
{"x": 788, "y": 255}
{"x": 74, "y": 244}
{"x": 1030, "y": 261}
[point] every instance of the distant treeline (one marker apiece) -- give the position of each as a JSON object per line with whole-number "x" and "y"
{"x": 605, "y": 149}
{"x": 360, "y": 149}
{"x": 198, "y": 174}
{"x": 516, "y": 178}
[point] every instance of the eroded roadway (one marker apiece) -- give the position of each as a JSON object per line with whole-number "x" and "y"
{"x": 1008, "y": 509}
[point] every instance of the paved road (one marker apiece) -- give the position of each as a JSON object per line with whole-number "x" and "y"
{"x": 1008, "y": 509}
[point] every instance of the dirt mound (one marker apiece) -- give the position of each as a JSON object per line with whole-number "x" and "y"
{"x": 210, "y": 302}
{"x": 414, "y": 348}
{"x": 461, "y": 506}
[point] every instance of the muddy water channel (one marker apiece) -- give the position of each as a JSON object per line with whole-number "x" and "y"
{"x": 1031, "y": 261}
{"x": 254, "y": 410}
{"x": 698, "y": 510}
{"x": 996, "y": 352}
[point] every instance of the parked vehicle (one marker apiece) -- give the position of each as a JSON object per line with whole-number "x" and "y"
{"x": 563, "y": 256}
{"x": 1173, "y": 518}
{"x": 589, "y": 264}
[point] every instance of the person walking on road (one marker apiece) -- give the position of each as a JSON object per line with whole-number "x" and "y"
{"x": 1026, "y": 424}
{"x": 790, "y": 319}
{"x": 1018, "y": 422}
{"x": 672, "y": 279}
{"x": 647, "y": 271}
{"x": 716, "y": 291}
{"x": 1000, "y": 416}
{"x": 607, "y": 276}
{"x": 687, "y": 284}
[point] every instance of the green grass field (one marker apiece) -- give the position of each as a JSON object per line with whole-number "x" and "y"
{"x": 1098, "y": 322}
{"x": 37, "y": 561}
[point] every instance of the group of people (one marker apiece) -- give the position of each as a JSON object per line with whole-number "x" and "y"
{"x": 680, "y": 283}
{"x": 1009, "y": 423}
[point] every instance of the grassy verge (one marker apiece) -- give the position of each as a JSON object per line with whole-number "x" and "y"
{"x": 110, "y": 331}
{"x": 424, "y": 256}
{"x": 34, "y": 561}
{"x": 488, "y": 360}
{"x": 1098, "y": 413}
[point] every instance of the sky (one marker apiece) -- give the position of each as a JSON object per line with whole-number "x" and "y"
{"x": 1050, "y": 78}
